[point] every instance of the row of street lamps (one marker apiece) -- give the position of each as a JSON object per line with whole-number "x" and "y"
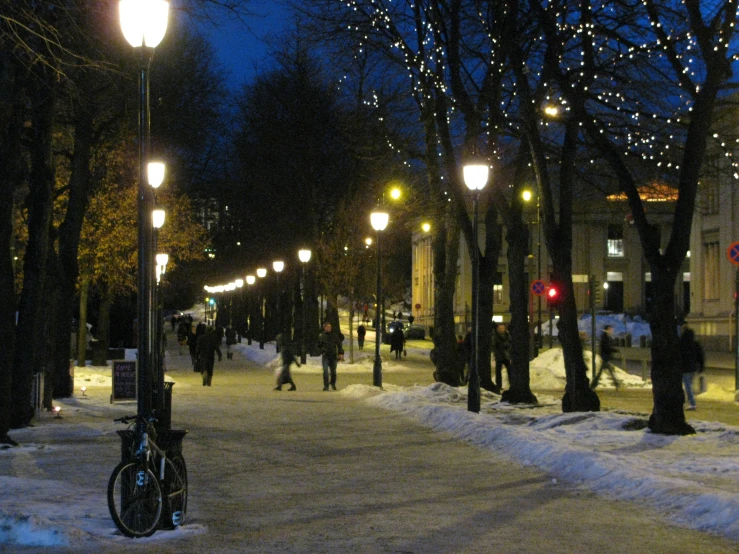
{"x": 144, "y": 24}
{"x": 304, "y": 255}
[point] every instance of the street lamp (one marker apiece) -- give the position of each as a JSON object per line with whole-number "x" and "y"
{"x": 379, "y": 222}
{"x": 250, "y": 280}
{"x": 144, "y": 23}
{"x": 239, "y": 284}
{"x": 261, "y": 273}
{"x": 527, "y": 195}
{"x": 475, "y": 177}
{"x": 278, "y": 266}
{"x": 304, "y": 257}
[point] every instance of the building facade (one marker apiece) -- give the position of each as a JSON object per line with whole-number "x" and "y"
{"x": 606, "y": 245}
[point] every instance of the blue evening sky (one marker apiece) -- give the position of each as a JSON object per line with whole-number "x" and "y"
{"x": 240, "y": 47}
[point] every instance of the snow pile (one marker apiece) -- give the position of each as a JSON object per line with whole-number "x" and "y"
{"x": 694, "y": 479}
{"x": 547, "y": 372}
{"x": 622, "y": 325}
{"x": 24, "y": 530}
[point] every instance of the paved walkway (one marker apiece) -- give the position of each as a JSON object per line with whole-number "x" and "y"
{"x": 312, "y": 471}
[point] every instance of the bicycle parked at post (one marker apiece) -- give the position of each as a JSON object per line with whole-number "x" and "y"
{"x": 147, "y": 489}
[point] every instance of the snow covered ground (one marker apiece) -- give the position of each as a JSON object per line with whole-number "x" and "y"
{"x": 691, "y": 480}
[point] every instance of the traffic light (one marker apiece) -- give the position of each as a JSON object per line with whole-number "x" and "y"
{"x": 554, "y": 295}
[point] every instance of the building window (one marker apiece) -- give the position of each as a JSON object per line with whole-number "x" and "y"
{"x": 711, "y": 270}
{"x": 615, "y": 241}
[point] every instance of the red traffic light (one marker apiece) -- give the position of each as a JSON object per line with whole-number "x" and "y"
{"x": 554, "y": 296}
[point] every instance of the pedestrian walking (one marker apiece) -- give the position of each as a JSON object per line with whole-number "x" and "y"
{"x": 230, "y": 341}
{"x": 329, "y": 345}
{"x": 502, "y": 353}
{"x": 287, "y": 354}
{"x": 192, "y": 345}
{"x": 693, "y": 361}
{"x": 183, "y": 330}
{"x": 208, "y": 347}
{"x": 606, "y": 353}
{"x": 397, "y": 341}
{"x": 361, "y": 332}
{"x": 462, "y": 356}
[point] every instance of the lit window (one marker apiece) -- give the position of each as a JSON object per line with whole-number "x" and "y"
{"x": 615, "y": 241}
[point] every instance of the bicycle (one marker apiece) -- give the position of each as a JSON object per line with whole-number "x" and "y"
{"x": 147, "y": 489}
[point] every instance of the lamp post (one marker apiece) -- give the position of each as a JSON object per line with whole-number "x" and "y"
{"x": 157, "y": 372}
{"x": 250, "y": 280}
{"x": 527, "y": 195}
{"x": 379, "y": 221}
{"x": 144, "y": 23}
{"x": 161, "y": 267}
{"x": 304, "y": 257}
{"x": 278, "y": 266}
{"x": 475, "y": 177}
{"x": 239, "y": 285}
{"x": 261, "y": 273}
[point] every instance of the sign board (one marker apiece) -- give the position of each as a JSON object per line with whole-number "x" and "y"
{"x": 538, "y": 287}
{"x": 733, "y": 253}
{"x": 124, "y": 380}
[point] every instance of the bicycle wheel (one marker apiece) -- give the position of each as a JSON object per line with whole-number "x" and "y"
{"x": 134, "y": 499}
{"x": 174, "y": 488}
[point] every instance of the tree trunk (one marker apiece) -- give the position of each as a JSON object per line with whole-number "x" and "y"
{"x": 488, "y": 273}
{"x": 444, "y": 355}
{"x": 82, "y": 323}
{"x": 667, "y": 416}
{"x": 69, "y": 239}
{"x": 517, "y": 238}
{"x": 11, "y": 125}
{"x": 29, "y": 338}
{"x": 578, "y": 397}
{"x": 100, "y": 353}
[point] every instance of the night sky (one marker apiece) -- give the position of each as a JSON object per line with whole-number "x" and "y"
{"x": 241, "y": 52}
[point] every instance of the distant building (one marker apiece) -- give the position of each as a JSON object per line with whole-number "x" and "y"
{"x": 606, "y": 245}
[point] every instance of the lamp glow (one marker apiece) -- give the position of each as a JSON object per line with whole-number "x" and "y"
{"x": 143, "y": 22}
{"x": 379, "y": 220}
{"x": 304, "y": 255}
{"x": 476, "y": 175}
{"x": 250, "y": 279}
{"x": 239, "y": 283}
{"x": 278, "y": 266}
{"x": 426, "y": 227}
{"x": 157, "y": 217}
{"x": 155, "y": 172}
{"x": 162, "y": 259}
{"x": 261, "y": 273}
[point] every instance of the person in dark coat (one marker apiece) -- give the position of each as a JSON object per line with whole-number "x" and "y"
{"x": 288, "y": 357}
{"x": 208, "y": 347}
{"x": 606, "y": 353}
{"x": 502, "y": 353}
{"x": 361, "y": 332}
{"x": 691, "y": 354}
{"x": 230, "y": 341}
{"x": 183, "y": 330}
{"x": 397, "y": 341}
{"x": 329, "y": 345}
{"x": 192, "y": 345}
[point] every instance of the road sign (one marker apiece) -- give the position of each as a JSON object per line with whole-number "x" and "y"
{"x": 733, "y": 253}
{"x": 538, "y": 287}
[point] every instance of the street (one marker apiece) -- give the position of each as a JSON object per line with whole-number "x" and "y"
{"x": 313, "y": 471}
